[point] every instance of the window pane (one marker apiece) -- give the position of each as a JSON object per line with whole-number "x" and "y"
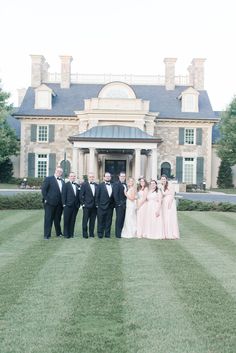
{"x": 42, "y": 133}
{"x": 189, "y": 136}
{"x": 189, "y": 170}
{"x": 42, "y": 165}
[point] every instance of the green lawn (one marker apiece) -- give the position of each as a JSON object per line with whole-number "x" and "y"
{"x": 118, "y": 295}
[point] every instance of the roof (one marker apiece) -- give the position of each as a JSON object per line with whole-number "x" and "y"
{"x": 114, "y": 132}
{"x": 68, "y": 100}
{"x": 14, "y": 124}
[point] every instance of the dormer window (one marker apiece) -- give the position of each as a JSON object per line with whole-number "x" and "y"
{"x": 189, "y": 100}
{"x": 117, "y": 90}
{"x": 43, "y": 97}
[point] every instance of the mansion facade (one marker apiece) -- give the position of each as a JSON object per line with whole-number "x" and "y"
{"x": 143, "y": 125}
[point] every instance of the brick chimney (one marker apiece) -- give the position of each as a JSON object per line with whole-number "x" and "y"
{"x": 45, "y": 68}
{"x": 37, "y": 62}
{"x": 65, "y": 70}
{"x": 170, "y": 73}
{"x": 198, "y": 73}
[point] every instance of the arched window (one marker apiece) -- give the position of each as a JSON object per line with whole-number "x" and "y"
{"x": 65, "y": 165}
{"x": 166, "y": 169}
{"x": 117, "y": 90}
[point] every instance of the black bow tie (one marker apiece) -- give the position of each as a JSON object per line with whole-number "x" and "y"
{"x": 58, "y": 178}
{"x": 91, "y": 183}
{"x": 108, "y": 183}
{"x": 73, "y": 183}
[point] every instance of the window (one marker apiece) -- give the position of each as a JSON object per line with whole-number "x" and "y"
{"x": 189, "y": 136}
{"x": 117, "y": 90}
{"x": 189, "y": 99}
{"x": 41, "y": 165}
{"x": 43, "y": 97}
{"x": 42, "y": 133}
{"x": 189, "y": 171}
{"x": 166, "y": 169}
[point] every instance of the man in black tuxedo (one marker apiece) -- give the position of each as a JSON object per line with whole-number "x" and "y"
{"x": 71, "y": 204}
{"x": 87, "y": 199}
{"x": 51, "y": 191}
{"x": 105, "y": 206}
{"x": 120, "y": 203}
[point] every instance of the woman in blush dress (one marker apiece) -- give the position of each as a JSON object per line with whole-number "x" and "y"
{"x": 141, "y": 206}
{"x": 153, "y": 225}
{"x": 130, "y": 225}
{"x": 169, "y": 211}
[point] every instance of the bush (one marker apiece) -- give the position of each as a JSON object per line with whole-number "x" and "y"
{"x": 24, "y": 200}
{"x": 225, "y": 177}
{"x": 188, "y": 205}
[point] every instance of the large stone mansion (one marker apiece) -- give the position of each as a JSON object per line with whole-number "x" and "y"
{"x": 144, "y": 125}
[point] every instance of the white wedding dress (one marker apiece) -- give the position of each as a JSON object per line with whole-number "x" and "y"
{"x": 130, "y": 225}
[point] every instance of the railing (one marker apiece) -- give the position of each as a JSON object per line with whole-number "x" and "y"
{"x": 128, "y": 78}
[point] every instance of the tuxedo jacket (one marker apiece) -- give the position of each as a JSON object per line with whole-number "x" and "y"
{"x": 103, "y": 200}
{"x": 69, "y": 198}
{"x": 51, "y": 191}
{"x": 119, "y": 195}
{"x": 86, "y": 196}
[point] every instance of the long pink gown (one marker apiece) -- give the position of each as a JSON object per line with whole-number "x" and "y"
{"x": 153, "y": 225}
{"x": 141, "y": 212}
{"x": 169, "y": 211}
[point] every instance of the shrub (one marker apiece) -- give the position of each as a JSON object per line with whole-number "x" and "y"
{"x": 24, "y": 200}
{"x": 225, "y": 178}
{"x": 188, "y": 205}
{"x": 6, "y": 171}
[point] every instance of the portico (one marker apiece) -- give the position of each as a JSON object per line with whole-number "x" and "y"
{"x": 115, "y": 148}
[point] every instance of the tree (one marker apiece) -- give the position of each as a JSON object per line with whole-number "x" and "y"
{"x": 225, "y": 179}
{"x": 227, "y": 144}
{"x": 9, "y": 145}
{"x": 6, "y": 170}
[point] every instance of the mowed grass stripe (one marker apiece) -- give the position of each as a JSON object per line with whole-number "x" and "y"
{"x": 156, "y": 321}
{"x": 215, "y": 261}
{"x": 96, "y": 324}
{"x": 43, "y": 314}
{"x": 205, "y": 228}
{"x": 207, "y": 304}
{"x": 19, "y": 274}
{"x": 17, "y": 223}
{"x": 19, "y": 237}
{"x": 225, "y": 225}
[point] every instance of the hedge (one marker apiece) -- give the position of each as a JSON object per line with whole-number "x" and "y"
{"x": 33, "y": 200}
{"x": 23, "y": 200}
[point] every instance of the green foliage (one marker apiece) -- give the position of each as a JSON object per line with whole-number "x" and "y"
{"x": 227, "y": 143}
{"x": 25, "y": 200}
{"x": 188, "y": 205}
{"x": 225, "y": 177}
{"x": 9, "y": 145}
{"x": 6, "y": 170}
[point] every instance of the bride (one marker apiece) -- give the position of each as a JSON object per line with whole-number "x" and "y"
{"x": 130, "y": 225}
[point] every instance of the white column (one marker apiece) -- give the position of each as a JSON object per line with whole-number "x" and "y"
{"x": 81, "y": 164}
{"x": 91, "y": 168}
{"x": 137, "y": 163}
{"x": 148, "y": 167}
{"x": 75, "y": 160}
{"x": 154, "y": 163}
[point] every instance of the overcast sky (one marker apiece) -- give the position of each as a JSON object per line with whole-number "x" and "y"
{"x": 125, "y": 36}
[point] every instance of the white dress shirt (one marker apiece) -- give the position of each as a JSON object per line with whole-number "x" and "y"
{"x": 59, "y": 182}
{"x": 109, "y": 188}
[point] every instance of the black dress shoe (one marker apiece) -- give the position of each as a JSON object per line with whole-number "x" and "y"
{"x": 85, "y": 236}
{"x": 60, "y": 235}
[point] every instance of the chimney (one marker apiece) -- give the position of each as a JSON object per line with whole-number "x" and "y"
{"x": 65, "y": 70}
{"x": 37, "y": 62}
{"x": 170, "y": 73}
{"x": 45, "y": 68}
{"x": 21, "y": 94}
{"x": 191, "y": 75}
{"x": 198, "y": 73}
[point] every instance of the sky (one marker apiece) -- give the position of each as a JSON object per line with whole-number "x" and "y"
{"x": 120, "y": 37}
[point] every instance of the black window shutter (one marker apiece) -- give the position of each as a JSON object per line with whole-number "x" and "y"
{"x": 52, "y": 163}
{"x": 31, "y": 164}
{"x": 179, "y": 169}
{"x": 181, "y": 135}
{"x": 199, "y": 136}
{"x": 51, "y": 134}
{"x": 33, "y": 136}
{"x": 200, "y": 170}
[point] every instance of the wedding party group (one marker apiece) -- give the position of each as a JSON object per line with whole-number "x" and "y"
{"x": 142, "y": 209}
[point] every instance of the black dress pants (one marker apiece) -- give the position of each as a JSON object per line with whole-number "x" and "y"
{"x": 70, "y": 213}
{"x": 89, "y": 218}
{"x": 52, "y": 215}
{"x": 104, "y": 222}
{"x": 120, "y": 218}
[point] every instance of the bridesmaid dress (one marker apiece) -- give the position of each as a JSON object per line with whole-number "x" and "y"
{"x": 130, "y": 225}
{"x": 170, "y": 221}
{"x": 141, "y": 212}
{"x": 153, "y": 224}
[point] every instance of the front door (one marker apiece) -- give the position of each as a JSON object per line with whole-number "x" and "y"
{"x": 114, "y": 167}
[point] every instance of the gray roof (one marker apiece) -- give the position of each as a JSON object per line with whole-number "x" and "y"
{"x": 14, "y": 124}
{"x": 114, "y": 132}
{"x": 67, "y": 101}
